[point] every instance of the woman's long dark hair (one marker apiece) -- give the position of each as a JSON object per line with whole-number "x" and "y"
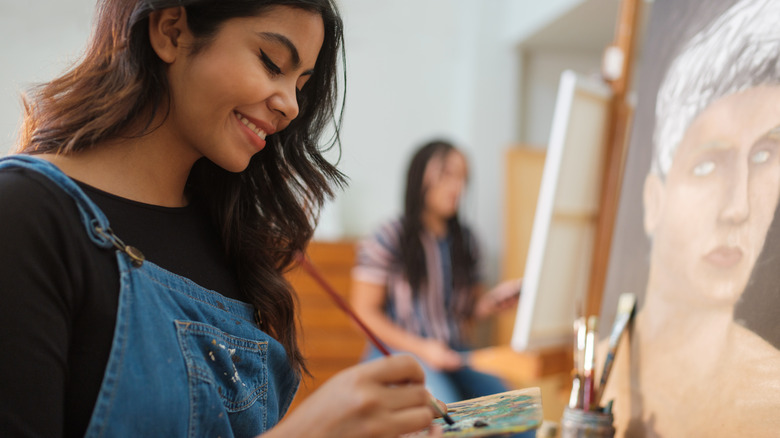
{"x": 462, "y": 253}
{"x": 265, "y": 214}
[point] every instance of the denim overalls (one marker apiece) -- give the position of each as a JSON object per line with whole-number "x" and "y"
{"x": 185, "y": 361}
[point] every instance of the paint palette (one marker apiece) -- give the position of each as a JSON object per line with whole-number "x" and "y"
{"x": 493, "y": 415}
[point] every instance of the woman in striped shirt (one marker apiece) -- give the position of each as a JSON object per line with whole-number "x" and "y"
{"x": 417, "y": 281}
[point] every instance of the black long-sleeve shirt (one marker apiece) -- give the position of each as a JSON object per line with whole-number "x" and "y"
{"x": 59, "y": 294}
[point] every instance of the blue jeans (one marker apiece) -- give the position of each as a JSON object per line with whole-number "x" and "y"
{"x": 452, "y": 386}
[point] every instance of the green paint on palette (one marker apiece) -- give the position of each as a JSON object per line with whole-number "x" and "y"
{"x": 493, "y": 415}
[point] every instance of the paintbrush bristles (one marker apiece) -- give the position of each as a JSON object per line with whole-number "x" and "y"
{"x": 625, "y": 308}
{"x": 625, "y": 311}
{"x": 588, "y": 394}
{"x": 585, "y": 393}
{"x": 578, "y": 373}
{"x": 582, "y": 329}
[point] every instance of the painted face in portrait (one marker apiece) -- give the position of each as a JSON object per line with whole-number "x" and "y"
{"x": 708, "y": 218}
{"x": 242, "y": 86}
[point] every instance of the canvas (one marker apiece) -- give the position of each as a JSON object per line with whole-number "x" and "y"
{"x": 696, "y": 232}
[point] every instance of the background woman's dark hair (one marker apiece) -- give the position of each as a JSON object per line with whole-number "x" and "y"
{"x": 267, "y": 213}
{"x": 413, "y": 256}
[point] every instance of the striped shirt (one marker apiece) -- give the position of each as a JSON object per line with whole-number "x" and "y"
{"x": 430, "y": 313}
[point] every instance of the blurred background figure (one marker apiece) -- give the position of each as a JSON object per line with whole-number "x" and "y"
{"x": 417, "y": 278}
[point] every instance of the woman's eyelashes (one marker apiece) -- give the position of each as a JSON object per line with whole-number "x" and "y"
{"x": 275, "y": 70}
{"x": 269, "y": 64}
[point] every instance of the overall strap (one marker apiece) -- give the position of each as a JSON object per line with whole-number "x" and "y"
{"x": 95, "y": 222}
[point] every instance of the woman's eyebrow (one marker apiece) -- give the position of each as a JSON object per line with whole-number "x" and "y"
{"x": 283, "y": 40}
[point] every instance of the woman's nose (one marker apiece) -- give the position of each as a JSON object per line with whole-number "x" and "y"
{"x": 285, "y": 102}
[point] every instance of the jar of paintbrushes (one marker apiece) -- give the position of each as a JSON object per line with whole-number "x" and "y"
{"x": 579, "y": 423}
{"x": 584, "y": 417}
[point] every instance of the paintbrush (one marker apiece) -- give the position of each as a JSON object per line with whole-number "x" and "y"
{"x": 312, "y": 271}
{"x": 588, "y": 395}
{"x": 625, "y": 310}
{"x": 575, "y": 399}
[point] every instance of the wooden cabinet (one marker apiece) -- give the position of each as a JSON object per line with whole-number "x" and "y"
{"x": 329, "y": 339}
{"x": 523, "y": 170}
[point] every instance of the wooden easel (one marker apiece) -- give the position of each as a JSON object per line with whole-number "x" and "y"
{"x": 522, "y": 368}
{"x": 620, "y": 117}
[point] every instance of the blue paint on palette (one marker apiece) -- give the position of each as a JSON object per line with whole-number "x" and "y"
{"x": 500, "y": 414}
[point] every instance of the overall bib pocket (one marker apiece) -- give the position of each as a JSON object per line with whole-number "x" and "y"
{"x": 235, "y": 367}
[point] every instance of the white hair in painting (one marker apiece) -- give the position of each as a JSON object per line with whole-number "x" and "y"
{"x": 737, "y": 51}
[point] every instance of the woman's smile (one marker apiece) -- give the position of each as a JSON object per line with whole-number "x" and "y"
{"x": 254, "y": 133}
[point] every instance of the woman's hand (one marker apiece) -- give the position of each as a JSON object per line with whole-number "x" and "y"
{"x": 382, "y": 398}
{"x": 501, "y": 297}
{"x": 439, "y": 356}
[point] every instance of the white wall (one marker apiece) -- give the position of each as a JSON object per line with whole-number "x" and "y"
{"x": 38, "y": 39}
{"x": 541, "y": 76}
{"x": 424, "y": 68}
{"x": 416, "y": 69}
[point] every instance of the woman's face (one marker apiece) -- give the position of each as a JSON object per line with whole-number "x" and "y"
{"x": 242, "y": 86}
{"x": 445, "y": 179}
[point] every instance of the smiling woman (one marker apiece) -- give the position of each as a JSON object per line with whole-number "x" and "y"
{"x": 160, "y": 189}
{"x": 254, "y": 69}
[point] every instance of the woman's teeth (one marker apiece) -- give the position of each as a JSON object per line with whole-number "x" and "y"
{"x": 260, "y": 133}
